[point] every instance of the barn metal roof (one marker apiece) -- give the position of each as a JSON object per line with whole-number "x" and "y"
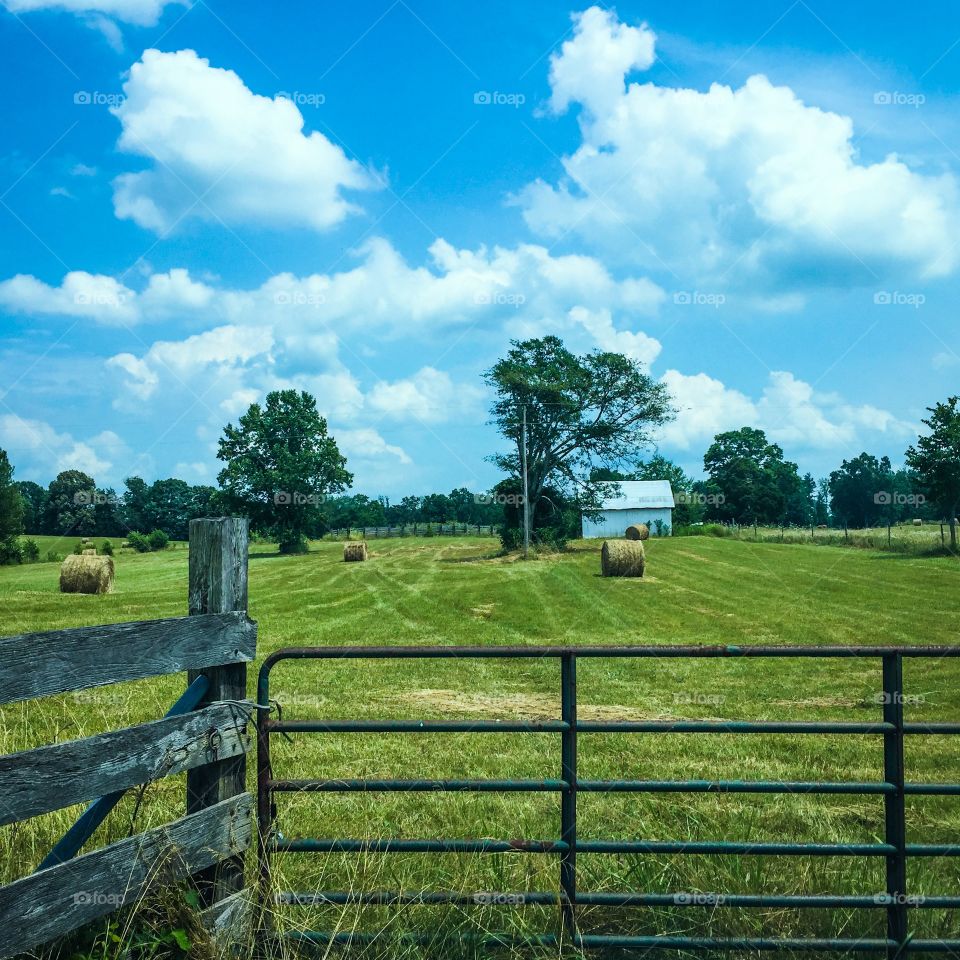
{"x": 637, "y": 494}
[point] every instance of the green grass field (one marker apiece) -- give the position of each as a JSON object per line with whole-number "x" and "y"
{"x": 698, "y": 590}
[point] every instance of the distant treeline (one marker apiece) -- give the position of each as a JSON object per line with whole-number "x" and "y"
{"x": 73, "y": 505}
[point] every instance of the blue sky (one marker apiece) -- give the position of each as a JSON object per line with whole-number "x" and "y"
{"x": 201, "y": 203}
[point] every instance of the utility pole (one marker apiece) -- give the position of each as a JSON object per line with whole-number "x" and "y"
{"x": 526, "y": 497}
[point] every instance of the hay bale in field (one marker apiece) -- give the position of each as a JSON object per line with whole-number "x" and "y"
{"x": 85, "y": 574}
{"x": 354, "y": 552}
{"x": 622, "y": 558}
{"x": 918, "y": 523}
{"x": 88, "y": 552}
{"x": 638, "y": 531}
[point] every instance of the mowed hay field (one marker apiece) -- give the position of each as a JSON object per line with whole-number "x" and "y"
{"x": 697, "y": 590}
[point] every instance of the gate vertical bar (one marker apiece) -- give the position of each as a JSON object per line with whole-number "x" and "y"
{"x": 568, "y": 801}
{"x": 894, "y": 804}
{"x": 264, "y": 773}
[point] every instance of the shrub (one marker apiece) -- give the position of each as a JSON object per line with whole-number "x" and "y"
{"x": 31, "y": 552}
{"x": 54, "y": 557}
{"x": 10, "y": 551}
{"x": 138, "y": 541}
{"x": 107, "y": 548}
{"x": 79, "y": 548}
{"x": 158, "y": 540}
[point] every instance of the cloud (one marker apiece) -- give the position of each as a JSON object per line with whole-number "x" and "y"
{"x": 223, "y": 153}
{"x": 599, "y": 324}
{"x": 81, "y": 294}
{"x": 788, "y": 410}
{"x": 226, "y": 347}
{"x": 83, "y": 170}
{"x": 729, "y": 184}
{"x": 144, "y": 13}
{"x": 429, "y": 396}
{"x": 367, "y": 444}
{"x": 48, "y": 452}
{"x": 524, "y": 290}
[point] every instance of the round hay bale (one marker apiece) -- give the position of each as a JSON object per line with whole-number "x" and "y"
{"x": 918, "y": 523}
{"x": 85, "y": 574}
{"x": 355, "y": 552}
{"x": 85, "y": 540}
{"x": 622, "y": 558}
{"x": 88, "y": 552}
{"x": 638, "y": 531}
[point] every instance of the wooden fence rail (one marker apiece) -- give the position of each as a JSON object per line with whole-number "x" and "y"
{"x": 209, "y": 742}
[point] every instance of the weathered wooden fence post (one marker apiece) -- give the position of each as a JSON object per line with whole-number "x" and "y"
{"x": 218, "y": 584}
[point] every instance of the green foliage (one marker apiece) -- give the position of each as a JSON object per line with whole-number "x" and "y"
{"x": 10, "y": 551}
{"x": 11, "y": 513}
{"x": 935, "y": 458}
{"x": 31, "y": 552}
{"x": 33, "y": 496}
{"x": 555, "y": 520}
{"x": 107, "y": 548}
{"x": 139, "y": 541}
{"x": 750, "y": 482}
{"x": 867, "y": 492}
{"x": 280, "y": 466}
{"x": 69, "y": 507}
{"x": 158, "y": 540}
{"x": 581, "y": 412}
{"x": 52, "y": 556}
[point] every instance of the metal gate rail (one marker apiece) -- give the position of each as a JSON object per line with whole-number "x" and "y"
{"x": 895, "y": 850}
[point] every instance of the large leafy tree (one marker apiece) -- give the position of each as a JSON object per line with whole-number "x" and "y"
{"x": 861, "y": 490}
{"x": 582, "y": 412}
{"x": 11, "y": 511}
{"x": 935, "y": 459}
{"x": 33, "y": 496}
{"x": 69, "y": 507}
{"x": 751, "y": 482}
{"x": 280, "y": 465}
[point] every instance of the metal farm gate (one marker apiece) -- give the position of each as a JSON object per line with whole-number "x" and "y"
{"x": 890, "y": 730}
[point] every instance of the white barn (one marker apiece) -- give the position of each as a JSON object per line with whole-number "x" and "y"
{"x": 640, "y": 501}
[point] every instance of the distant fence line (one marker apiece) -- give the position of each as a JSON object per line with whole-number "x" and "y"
{"x": 415, "y": 530}
{"x": 898, "y": 537}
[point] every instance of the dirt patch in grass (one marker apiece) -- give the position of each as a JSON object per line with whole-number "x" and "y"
{"x": 521, "y": 706}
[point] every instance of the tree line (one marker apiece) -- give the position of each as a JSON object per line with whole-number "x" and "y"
{"x": 574, "y": 426}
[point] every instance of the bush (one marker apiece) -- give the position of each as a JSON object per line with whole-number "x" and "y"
{"x": 704, "y": 530}
{"x": 79, "y": 548}
{"x": 10, "y": 551}
{"x": 31, "y": 552}
{"x": 158, "y": 540}
{"x": 107, "y": 548}
{"x": 139, "y": 542}
{"x": 54, "y": 557}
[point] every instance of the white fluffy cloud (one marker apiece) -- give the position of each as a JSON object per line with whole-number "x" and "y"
{"x": 105, "y": 299}
{"x": 140, "y": 12}
{"x": 429, "y": 396}
{"x": 35, "y": 441}
{"x": 366, "y": 444}
{"x": 789, "y": 410}
{"x": 729, "y": 183}
{"x": 221, "y": 349}
{"x": 524, "y": 289}
{"x": 222, "y": 152}
{"x": 92, "y": 296}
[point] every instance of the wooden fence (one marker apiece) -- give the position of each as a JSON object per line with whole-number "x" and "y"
{"x": 210, "y": 741}
{"x": 416, "y": 530}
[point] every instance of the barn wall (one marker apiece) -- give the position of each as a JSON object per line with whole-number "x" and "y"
{"x": 615, "y": 522}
